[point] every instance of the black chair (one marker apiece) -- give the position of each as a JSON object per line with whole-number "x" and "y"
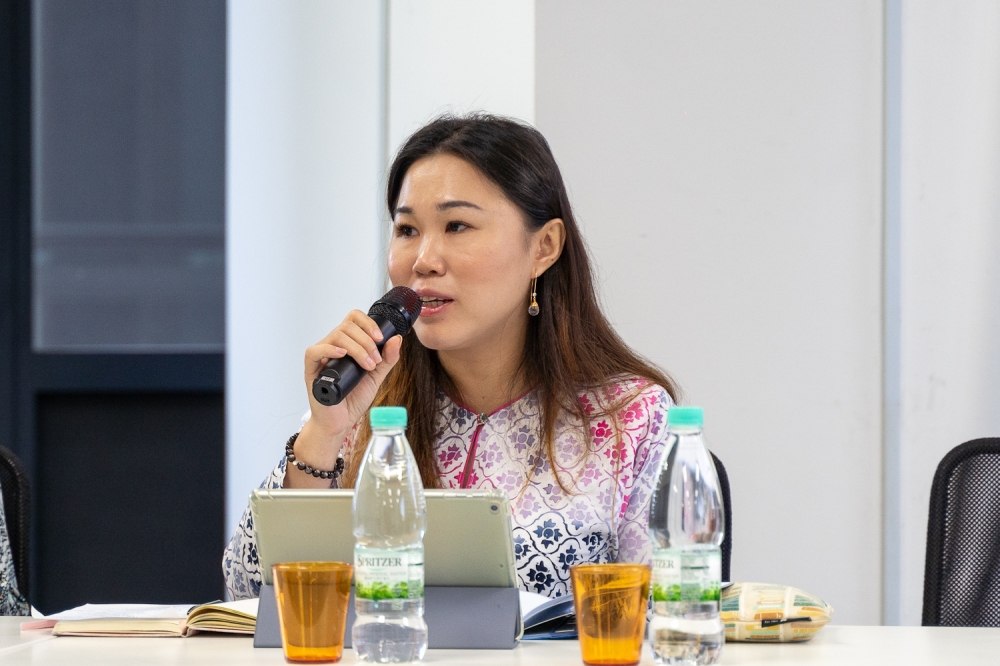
{"x": 962, "y": 569}
{"x": 727, "y": 540}
{"x": 17, "y": 514}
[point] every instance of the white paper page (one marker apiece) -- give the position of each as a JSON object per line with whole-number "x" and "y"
{"x": 247, "y": 606}
{"x": 530, "y": 601}
{"x": 130, "y": 611}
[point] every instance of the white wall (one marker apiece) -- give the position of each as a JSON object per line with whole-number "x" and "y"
{"x": 459, "y": 56}
{"x": 304, "y": 140}
{"x": 725, "y": 160}
{"x": 950, "y": 254}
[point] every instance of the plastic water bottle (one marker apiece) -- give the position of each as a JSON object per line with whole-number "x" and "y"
{"x": 686, "y": 527}
{"x": 389, "y": 523}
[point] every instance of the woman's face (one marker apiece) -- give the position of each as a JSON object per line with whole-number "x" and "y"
{"x": 464, "y": 247}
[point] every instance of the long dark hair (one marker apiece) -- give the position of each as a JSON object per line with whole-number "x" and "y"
{"x": 570, "y": 346}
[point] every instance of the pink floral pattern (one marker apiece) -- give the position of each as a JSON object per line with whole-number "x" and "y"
{"x": 603, "y": 518}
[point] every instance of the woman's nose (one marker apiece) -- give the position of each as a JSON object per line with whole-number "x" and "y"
{"x": 429, "y": 258}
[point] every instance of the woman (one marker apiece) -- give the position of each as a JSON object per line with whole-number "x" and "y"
{"x": 514, "y": 380}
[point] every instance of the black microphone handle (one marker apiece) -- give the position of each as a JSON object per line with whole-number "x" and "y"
{"x": 341, "y": 375}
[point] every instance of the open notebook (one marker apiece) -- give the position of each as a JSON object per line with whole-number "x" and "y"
{"x": 544, "y": 618}
{"x": 232, "y": 617}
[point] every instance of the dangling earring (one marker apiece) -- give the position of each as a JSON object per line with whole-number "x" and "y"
{"x": 533, "y": 308}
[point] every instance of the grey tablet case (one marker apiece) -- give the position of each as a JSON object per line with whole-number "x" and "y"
{"x": 471, "y": 594}
{"x": 466, "y": 618}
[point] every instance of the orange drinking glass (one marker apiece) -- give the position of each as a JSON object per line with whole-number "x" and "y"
{"x": 312, "y": 609}
{"x": 611, "y": 602}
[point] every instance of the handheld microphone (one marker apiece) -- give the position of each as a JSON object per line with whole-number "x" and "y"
{"x": 395, "y": 313}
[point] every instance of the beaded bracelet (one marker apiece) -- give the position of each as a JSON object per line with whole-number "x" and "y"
{"x": 338, "y": 469}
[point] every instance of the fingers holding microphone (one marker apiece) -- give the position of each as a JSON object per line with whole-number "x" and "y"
{"x": 389, "y": 358}
{"x": 359, "y": 354}
{"x": 320, "y": 439}
{"x": 318, "y": 356}
{"x": 350, "y": 408}
{"x": 354, "y": 345}
{"x": 358, "y": 337}
{"x": 362, "y": 337}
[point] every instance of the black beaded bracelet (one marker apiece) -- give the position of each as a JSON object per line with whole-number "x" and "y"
{"x": 338, "y": 469}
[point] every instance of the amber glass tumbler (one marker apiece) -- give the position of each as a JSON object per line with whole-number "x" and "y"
{"x": 611, "y": 602}
{"x": 312, "y": 609}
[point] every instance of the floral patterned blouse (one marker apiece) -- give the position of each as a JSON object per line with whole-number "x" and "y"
{"x": 12, "y": 602}
{"x": 604, "y": 517}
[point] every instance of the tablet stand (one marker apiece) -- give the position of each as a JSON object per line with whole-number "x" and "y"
{"x": 470, "y": 618}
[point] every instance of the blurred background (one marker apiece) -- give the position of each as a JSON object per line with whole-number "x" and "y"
{"x": 792, "y": 207}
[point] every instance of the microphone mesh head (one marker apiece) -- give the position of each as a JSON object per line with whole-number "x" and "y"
{"x": 401, "y": 306}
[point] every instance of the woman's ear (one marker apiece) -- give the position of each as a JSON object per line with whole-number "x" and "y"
{"x": 547, "y": 244}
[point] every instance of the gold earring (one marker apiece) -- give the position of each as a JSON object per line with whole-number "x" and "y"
{"x": 533, "y": 308}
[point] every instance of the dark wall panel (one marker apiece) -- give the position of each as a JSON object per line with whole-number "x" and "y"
{"x": 131, "y": 493}
{"x": 129, "y": 156}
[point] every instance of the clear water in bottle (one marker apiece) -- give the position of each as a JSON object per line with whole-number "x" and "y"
{"x": 389, "y": 524}
{"x": 686, "y": 526}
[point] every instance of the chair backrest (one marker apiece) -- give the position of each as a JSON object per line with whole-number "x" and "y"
{"x": 962, "y": 569}
{"x": 727, "y": 541}
{"x": 17, "y": 514}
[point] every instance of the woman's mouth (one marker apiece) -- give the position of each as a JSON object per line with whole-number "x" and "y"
{"x": 432, "y": 305}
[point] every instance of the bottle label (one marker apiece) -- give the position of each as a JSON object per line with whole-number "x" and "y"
{"x": 388, "y": 573}
{"x": 687, "y": 575}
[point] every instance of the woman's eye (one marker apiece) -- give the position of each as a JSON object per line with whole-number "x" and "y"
{"x": 457, "y": 226}
{"x": 405, "y": 230}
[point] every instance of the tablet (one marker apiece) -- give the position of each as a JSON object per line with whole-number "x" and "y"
{"x": 467, "y": 544}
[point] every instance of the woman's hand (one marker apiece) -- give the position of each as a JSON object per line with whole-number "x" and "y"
{"x": 322, "y": 436}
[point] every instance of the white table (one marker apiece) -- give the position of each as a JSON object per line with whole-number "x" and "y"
{"x": 857, "y": 646}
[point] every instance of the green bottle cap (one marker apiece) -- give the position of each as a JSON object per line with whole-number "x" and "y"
{"x": 686, "y": 417}
{"x": 388, "y": 417}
